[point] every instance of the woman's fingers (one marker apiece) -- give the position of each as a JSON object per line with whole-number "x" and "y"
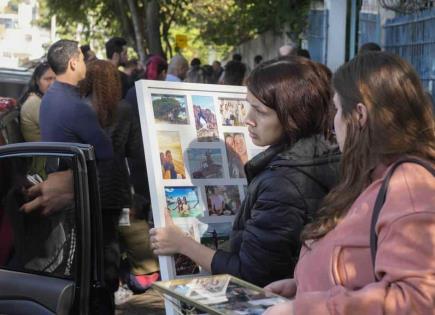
{"x": 168, "y": 218}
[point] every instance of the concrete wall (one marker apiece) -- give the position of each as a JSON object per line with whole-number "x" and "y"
{"x": 266, "y": 44}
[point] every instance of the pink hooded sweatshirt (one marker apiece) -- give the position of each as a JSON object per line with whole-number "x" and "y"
{"x": 336, "y": 275}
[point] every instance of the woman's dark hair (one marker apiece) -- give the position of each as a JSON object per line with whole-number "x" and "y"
{"x": 399, "y": 122}
{"x": 114, "y": 45}
{"x": 207, "y": 72}
{"x": 369, "y": 47}
{"x": 299, "y": 91}
{"x": 104, "y": 84}
{"x": 33, "y": 86}
{"x": 196, "y": 62}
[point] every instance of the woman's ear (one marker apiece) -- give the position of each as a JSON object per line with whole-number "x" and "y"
{"x": 362, "y": 113}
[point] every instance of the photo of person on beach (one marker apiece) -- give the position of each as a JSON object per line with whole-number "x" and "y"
{"x": 171, "y": 157}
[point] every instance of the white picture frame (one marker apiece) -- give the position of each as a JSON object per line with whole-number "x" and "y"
{"x": 186, "y": 128}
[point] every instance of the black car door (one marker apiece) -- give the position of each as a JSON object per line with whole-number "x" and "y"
{"x": 46, "y": 245}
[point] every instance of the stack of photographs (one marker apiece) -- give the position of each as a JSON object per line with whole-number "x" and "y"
{"x": 220, "y": 295}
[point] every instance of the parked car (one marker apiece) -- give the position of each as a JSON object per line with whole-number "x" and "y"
{"x": 50, "y": 262}
{"x": 13, "y": 82}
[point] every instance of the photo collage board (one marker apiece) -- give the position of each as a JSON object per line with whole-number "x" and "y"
{"x": 196, "y": 145}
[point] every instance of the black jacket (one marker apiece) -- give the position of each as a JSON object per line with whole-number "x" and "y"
{"x": 286, "y": 186}
{"x": 113, "y": 174}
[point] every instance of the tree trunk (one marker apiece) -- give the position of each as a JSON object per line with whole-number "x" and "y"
{"x": 153, "y": 28}
{"x": 125, "y": 23}
{"x": 137, "y": 30}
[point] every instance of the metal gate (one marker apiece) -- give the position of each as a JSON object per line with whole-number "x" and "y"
{"x": 369, "y": 28}
{"x": 413, "y": 38}
{"x": 316, "y": 35}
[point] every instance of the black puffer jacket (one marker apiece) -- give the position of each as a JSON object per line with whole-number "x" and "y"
{"x": 286, "y": 186}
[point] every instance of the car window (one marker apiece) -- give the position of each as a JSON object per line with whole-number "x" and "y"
{"x": 38, "y": 215}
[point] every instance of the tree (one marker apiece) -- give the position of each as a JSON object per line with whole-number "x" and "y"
{"x": 232, "y": 22}
{"x": 138, "y": 21}
{"x": 148, "y": 24}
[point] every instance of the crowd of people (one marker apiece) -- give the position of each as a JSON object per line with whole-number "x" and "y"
{"x": 304, "y": 228}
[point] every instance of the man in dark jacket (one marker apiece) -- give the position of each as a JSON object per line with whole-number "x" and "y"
{"x": 116, "y": 53}
{"x": 64, "y": 116}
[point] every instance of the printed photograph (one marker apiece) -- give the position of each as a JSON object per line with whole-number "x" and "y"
{"x": 222, "y": 200}
{"x": 205, "y": 118}
{"x": 209, "y": 290}
{"x": 246, "y": 301}
{"x": 204, "y": 290}
{"x": 217, "y": 235}
{"x": 236, "y": 153}
{"x": 205, "y": 163}
{"x": 185, "y": 266}
{"x": 170, "y": 109}
{"x": 183, "y": 202}
{"x": 233, "y": 111}
{"x": 171, "y": 156}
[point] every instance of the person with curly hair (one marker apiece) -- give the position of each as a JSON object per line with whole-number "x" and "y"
{"x": 102, "y": 90}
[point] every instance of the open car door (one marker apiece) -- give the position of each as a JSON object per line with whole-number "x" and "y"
{"x": 46, "y": 243}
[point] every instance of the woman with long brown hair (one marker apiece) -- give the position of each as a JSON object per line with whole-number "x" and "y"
{"x": 352, "y": 261}
{"x": 290, "y": 105}
{"x": 102, "y": 88}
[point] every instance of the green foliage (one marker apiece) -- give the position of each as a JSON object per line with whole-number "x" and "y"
{"x": 210, "y": 25}
{"x": 84, "y": 20}
{"x": 169, "y": 109}
{"x": 12, "y": 6}
{"x": 198, "y": 47}
{"x": 232, "y": 22}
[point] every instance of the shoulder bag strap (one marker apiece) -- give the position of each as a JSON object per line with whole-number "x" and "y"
{"x": 380, "y": 200}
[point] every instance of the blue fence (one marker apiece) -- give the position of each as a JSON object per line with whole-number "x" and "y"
{"x": 369, "y": 28}
{"x": 413, "y": 38}
{"x": 316, "y": 34}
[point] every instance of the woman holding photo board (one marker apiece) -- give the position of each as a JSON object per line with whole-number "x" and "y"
{"x": 353, "y": 262}
{"x": 290, "y": 110}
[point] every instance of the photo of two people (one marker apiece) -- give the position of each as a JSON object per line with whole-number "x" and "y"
{"x": 205, "y": 118}
{"x": 171, "y": 156}
{"x": 222, "y": 200}
{"x": 236, "y": 153}
{"x": 183, "y": 202}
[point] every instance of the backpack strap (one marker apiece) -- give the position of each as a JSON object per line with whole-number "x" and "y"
{"x": 380, "y": 200}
